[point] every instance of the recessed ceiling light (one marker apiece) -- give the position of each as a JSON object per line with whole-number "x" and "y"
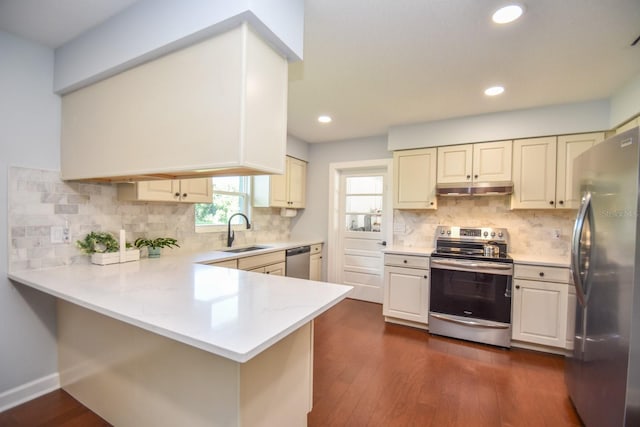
{"x": 324, "y": 119}
{"x": 494, "y": 90}
{"x": 507, "y": 14}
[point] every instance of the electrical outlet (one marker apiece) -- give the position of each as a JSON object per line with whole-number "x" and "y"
{"x": 555, "y": 234}
{"x": 57, "y": 234}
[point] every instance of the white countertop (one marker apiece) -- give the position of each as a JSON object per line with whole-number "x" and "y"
{"x": 542, "y": 260}
{"x": 408, "y": 250}
{"x": 232, "y": 313}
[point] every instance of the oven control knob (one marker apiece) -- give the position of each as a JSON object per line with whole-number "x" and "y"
{"x": 493, "y": 234}
{"x": 442, "y": 231}
{"x": 448, "y": 231}
{"x": 499, "y": 233}
{"x": 486, "y": 233}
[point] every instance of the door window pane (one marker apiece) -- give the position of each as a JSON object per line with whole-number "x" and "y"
{"x": 363, "y": 203}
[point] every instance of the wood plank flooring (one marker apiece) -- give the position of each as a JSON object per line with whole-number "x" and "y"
{"x": 368, "y": 373}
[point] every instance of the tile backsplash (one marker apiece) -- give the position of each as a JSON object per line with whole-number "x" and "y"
{"x": 530, "y": 231}
{"x": 39, "y": 200}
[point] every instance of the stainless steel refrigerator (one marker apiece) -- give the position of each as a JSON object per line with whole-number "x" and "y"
{"x": 603, "y": 373}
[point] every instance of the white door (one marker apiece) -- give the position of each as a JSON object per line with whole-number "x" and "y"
{"x": 360, "y": 229}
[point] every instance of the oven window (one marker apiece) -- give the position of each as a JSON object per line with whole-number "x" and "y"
{"x": 478, "y": 295}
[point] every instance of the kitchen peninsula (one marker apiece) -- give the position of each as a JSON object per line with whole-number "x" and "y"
{"x": 173, "y": 341}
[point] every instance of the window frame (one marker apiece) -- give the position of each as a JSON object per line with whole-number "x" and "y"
{"x": 247, "y": 196}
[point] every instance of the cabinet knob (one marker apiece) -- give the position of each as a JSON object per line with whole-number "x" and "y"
{"x": 184, "y": 195}
{"x": 542, "y": 274}
{"x": 551, "y": 202}
{"x": 267, "y": 272}
{"x": 177, "y": 194}
{"x": 425, "y": 276}
{"x": 468, "y": 176}
{"x": 517, "y": 286}
{"x": 561, "y": 202}
{"x": 475, "y": 176}
{"x": 431, "y": 203}
{"x": 405, "y": 261}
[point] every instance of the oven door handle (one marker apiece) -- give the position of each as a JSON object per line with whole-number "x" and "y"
{"x": 471, "y": 323}
{"x": 472, "y": 266}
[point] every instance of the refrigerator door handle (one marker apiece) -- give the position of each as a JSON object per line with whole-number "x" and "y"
{"x": 575, "y": 249}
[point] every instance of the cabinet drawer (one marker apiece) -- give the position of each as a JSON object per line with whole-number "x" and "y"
{"x": 230, "y": 263}
{"x": 406, "y": 261}
{"x": 255, "y": 261}
{"x": 316, "y": 249}
{"x": 542, "y": 273}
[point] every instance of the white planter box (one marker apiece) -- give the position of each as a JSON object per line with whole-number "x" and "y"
{"x": 114, "y": 257}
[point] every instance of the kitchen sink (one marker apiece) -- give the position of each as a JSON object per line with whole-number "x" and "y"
{"x": 246, "y": 249}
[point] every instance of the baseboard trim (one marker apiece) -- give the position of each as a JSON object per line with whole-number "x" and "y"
{"x": 29, "y": 391}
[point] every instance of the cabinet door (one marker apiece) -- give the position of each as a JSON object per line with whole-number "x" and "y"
{"x": 406, "y": 294}
{"x": 278, "y": 191}
{"x": 315, "y": 267}
{"x": 540, "y": 312}
{"x": 197, "y": 190}
{"x": 570, "y": 147}
{"x": 414, "y": 179}
{"x": 275, "y": 269}
{"x": 455, "y": 163}
{"x": 534, "y": 173}
{"x": 160, "y": 190}
{"x": 296, "y": 181}
{"x": 492, "y": 161}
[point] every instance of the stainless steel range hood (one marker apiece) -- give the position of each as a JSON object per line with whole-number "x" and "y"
{"x": 474, "y": 189}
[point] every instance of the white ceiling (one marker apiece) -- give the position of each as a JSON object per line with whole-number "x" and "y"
{"x": 371, "y": 64}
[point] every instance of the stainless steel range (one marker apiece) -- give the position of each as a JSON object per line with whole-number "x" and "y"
{"x": 471, "y": 278}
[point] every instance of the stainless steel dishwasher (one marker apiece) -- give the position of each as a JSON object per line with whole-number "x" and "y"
{"x": 298, "y": 262}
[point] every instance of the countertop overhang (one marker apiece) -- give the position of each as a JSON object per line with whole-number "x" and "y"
{"x": 231, "y": 313}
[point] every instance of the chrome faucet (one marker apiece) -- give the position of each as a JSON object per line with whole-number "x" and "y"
{"x": 230, "y": 233}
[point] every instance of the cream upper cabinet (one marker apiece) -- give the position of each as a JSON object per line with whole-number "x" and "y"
{"x": 197, "y": 190}
{"x": 543, "y": 170}
{"x": 455, "y": 163}
{"x": 534, "y": 173}
{"x": 628, "y": 125}
{"x": 492, "y": 161}
{"x": 570, "y": 147}
{"x": 282, "y": 191}
{"x": 486, "y": 161}
{"x": 414, "y": 179}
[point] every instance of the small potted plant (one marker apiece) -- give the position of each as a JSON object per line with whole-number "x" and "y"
{"x": 154, "y": 245}
{"x": 105, "y": 249}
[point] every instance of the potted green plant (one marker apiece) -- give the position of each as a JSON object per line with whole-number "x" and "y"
{"x": 105, "y": 249}
{"x": 155, "y": 245}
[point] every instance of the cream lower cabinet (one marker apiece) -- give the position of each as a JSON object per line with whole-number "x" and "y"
{"x": 540, "y": 305}
{"x": 414, "y": 179}
{"x": 269, "y": 263}
{"x": 406, "y": 289}
{"x": 315, "y": 262}
{"x": 486, "y": 161}
{"x": 197, "y": 190}
{"x": 282, "y": 191}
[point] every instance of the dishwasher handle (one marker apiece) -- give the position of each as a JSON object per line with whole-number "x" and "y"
{"x": 298, "y": 251}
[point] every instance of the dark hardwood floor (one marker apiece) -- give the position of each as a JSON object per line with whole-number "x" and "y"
{"x": 368, "y": 373}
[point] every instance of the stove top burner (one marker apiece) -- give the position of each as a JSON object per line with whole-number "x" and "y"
{"x": 468, "y": 243}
